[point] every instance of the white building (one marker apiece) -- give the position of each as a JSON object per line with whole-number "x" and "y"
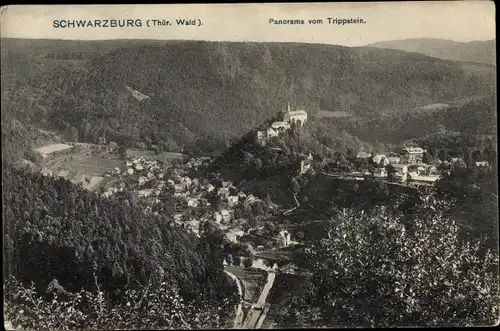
{"x": 305, "y": 165}
{"x": 63, "y": 174}
{"x": 401, "y": 172}
{"x": 276, "y": 128}
{"x": 233, "y": 235}
{"x": 394, "y": 159}
{"x": 142, "y": 180}
{"x": 425, "y": 179}
{"x": 223, "y": 191}
{"x": 380, "y": 173}
{"x": 232, "y": 200}
{"x": 250, "y": 199}
{"x": 284, "y": 238}
{"x": 186, "y": 181}
{"x": 363, "y": 155}
{"x": 226, "y": 215}
{"x": 412, "y": 155}
{"x": 261, "y": 137}
{"x": 144, "y": 193}
{"x": 194, "y": 203}
{"x": 381, "y": 159}
{"x": 178, "y": 188}
{"x": 295, "y": 116}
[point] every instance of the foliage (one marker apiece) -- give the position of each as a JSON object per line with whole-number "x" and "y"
{"x": 68, "y": 85}
{"x": 19, "y": 139}
{"x": 476, "y": 191}
{"x": 55, "y": 229}
{"x": 474, "y": 117}
{"x": 378, "y": 269}
{"x": 154, "y": 306}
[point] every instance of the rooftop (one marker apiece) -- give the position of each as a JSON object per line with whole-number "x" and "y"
{"x": 280, "y": 124}
{"x": 414, "y": 150}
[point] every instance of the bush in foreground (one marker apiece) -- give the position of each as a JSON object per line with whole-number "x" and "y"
{"x": 387, "y": 268}
{"x": 154, "y": 306}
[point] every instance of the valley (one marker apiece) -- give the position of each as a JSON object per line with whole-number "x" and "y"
{"x": 247, "y": 185}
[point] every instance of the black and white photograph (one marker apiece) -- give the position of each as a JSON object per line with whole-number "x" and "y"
{"x": 249, "y": 166}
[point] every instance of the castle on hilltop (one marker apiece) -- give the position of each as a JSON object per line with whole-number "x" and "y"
{"x": 297, "y": 116}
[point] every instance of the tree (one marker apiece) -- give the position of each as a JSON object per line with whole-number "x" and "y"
{"x": 441, "y": 129}
{"x": 229, "y": 259}
{"x": 443, "y": 155}
{"x": 375, "y": 269}
{"x": 390, "y": 173}
{"x": 427, "y": 158}
{"x": 74, "y": 134}
{"x": 122, "y": 151}
{"x": 294, "y": 185}
{"x": 247, "y": 263}
{"x": 237, "y": 261}
{"x": 299, "y": 235}
{"x": 270, "y": 228}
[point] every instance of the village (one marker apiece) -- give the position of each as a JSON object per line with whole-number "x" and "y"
{"x": 171, "y": 181}
{"x": 403, "y": 166}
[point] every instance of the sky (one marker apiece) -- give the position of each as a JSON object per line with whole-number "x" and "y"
{"x": 454, "y": 20}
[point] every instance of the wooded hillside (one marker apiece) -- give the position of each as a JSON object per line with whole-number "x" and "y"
{"x": 204, "y": 93}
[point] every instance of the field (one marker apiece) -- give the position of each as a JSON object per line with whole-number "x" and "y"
{"x": 53, "y": 148}
{"x": 94, "y": 165}
{"x": 252, "y": 280}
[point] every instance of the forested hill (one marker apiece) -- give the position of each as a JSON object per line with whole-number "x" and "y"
{"x": 475, "y": 51}
{"x": 54, "y": 229}
{"x": 202, "y": 94}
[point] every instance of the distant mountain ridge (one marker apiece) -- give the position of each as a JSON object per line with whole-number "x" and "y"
{"x": 204, "y": 94}
{"x": 474, "y": 51}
